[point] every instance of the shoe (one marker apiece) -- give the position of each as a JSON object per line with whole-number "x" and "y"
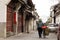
{"x": 44, "y": 37}
{"x": 40, "y": 37}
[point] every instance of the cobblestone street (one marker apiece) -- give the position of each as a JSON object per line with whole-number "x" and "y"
{"x": 31, "y": 36}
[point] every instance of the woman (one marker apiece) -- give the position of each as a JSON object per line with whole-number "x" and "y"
{"x": 44, "y": 28}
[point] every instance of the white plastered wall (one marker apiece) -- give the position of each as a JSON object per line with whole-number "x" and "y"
{"x": 3, "y": 16}
{"x": 58, "y": 19}
{"x": 30, "y": 25}
{"x": 3, "y": 9}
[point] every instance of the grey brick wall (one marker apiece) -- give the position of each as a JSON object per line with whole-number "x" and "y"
{"x": 2, "y": 29}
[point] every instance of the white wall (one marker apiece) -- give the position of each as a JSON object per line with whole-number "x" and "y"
{"x": 5, "y": 1}
{"x": 3, "y": 10}
{"x": 35, "y": 25}
{"x": 30, "y": 24}
{"x": 52, "y": 20}
{"x": 58, "y": 19}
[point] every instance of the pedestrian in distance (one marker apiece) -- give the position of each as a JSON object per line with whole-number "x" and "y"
{"x": 39, "y": 28}
{"x": 44, "y": 30}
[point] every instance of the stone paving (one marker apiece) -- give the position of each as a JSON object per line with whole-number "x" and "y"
{"x": 31, "y": 36}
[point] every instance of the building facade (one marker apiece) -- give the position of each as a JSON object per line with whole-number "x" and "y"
{"x": 35, "y": 20}
{"x": 16, "y": 17}
{"x": 55, "y": 14}
{"x": 52, "y": 14}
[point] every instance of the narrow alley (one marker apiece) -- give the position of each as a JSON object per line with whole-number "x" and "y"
{"x": 31, "y": 36}
{"x": 25, "y": 19}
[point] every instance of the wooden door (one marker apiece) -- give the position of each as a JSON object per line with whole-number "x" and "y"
{"x": 9, "y": 19}
{"x": 20, "y": 23}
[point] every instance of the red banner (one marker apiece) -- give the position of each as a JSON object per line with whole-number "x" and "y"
{"x": 14, "y": 18}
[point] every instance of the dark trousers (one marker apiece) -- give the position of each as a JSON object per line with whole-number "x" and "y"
{"x": 44, "y": 33}
{"x": 39, "y": 32}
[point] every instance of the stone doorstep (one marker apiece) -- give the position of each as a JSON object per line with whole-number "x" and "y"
{"x": 20, "y": 34}
{"x": 15, "y": 35}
